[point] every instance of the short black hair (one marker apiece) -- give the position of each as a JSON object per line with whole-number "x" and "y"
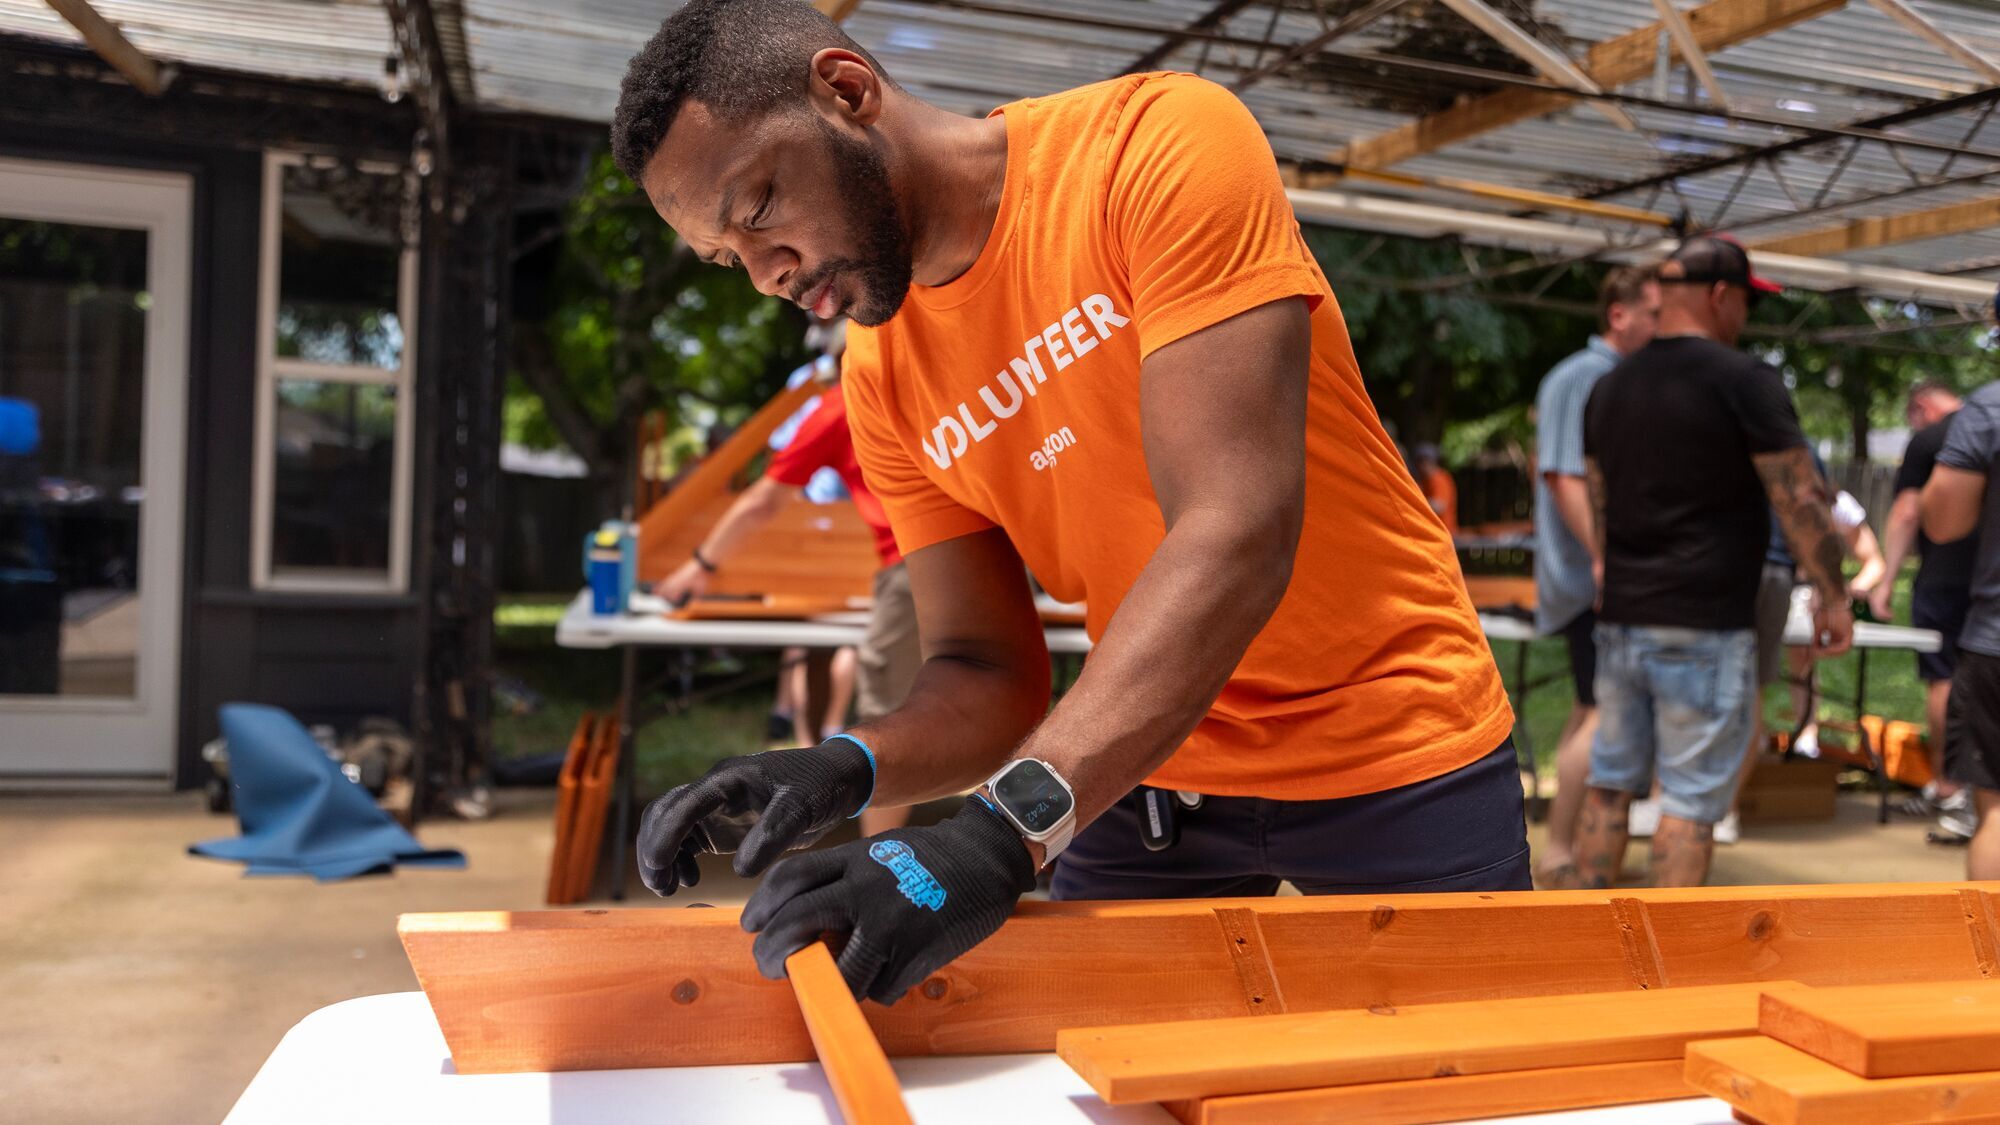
{"x": 737, "y": 57}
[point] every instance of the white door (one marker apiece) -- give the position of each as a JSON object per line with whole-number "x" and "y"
{"x": 94, "y": 281}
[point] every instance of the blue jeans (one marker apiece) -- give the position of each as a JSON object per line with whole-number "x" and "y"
{"x": 1676, "y": 702}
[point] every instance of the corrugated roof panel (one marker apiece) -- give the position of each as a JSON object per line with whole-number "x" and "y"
{"x": 341, "y": 41}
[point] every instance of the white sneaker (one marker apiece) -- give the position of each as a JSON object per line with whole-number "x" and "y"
{"x": 1808, "y": 744}
{"x": 1728, "y": 829}
{"x": 1644, "y": 818}
{"x": 1957, "y": 822}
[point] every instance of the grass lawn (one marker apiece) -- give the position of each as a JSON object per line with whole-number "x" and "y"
{"x": 677, "y": 749}
{"x": 1894, "y": 691}
{"x": 571, "y": 681}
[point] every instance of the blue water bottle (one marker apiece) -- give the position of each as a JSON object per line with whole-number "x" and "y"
{"x": 607, "y": 572}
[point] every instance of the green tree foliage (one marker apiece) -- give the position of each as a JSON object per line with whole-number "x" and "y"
{"x": 637, "y": 323}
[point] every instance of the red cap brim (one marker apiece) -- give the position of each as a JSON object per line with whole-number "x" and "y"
{"x": 1763, "y": 285}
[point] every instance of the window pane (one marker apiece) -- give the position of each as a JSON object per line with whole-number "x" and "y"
{"x": 339, "y": 249}
{"x": 72, "y": 388}
{"x": 335, "y": 445}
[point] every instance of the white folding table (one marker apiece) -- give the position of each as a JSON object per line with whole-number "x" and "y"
{"x": 381, "y": 1059}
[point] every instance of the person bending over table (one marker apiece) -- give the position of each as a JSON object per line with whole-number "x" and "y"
{"x": 889, "y": 652}
{"x": 1089, "y": 336}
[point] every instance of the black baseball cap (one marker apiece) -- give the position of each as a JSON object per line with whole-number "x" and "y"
{"x": 1711, "y": 258}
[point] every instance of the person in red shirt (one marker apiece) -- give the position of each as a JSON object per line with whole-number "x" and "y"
{"x": 889, "y": 654}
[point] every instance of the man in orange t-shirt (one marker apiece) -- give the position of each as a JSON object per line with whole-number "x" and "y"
{"x": 1097, "y": 344}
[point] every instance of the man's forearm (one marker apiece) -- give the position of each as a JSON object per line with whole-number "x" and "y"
{"x": 1176, "y": 638}
{"x": 751, "y": 511}
{"x": 1899, "y": 533}
{"x": 1572, "y": 499}
{"x": 962, "y": 718}
{"x": 1804, "y": 506}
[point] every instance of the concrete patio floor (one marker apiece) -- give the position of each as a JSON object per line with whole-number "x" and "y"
{"x": 143, "y": 985}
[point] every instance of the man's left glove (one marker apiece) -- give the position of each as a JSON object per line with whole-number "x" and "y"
{"x": 909, "y": 901}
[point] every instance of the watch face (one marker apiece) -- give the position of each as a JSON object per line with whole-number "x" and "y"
{"x": 1033, "y": 796}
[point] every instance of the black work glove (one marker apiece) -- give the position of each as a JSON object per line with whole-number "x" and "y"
{"x": 756, "y": 806}
{"x": 909, "y": 901}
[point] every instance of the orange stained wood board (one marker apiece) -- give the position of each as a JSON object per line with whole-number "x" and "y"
{"x": 1209, "y": 1058}
{"x": 1895, "y": 1030}
{"x": 593, "y": 798}
{"x": 770, "y": 607}
{"x": 863, "y": 1084}
{"x": 1782, "y": 1085}
{"x": 569, "y": 788}
{"x": 576, "y": 990}
{"x": 1460, "y": 1097}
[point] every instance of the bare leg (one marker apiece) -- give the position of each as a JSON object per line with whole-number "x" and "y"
{"x": 799, "y": 672}
{"x": 1681, "y": 853}
{"x": 1937, "y": 694}
{"x": 874, "y": 820}
{"x": 1600, "y": 837}
{"x": 1572, "y": 778}
{"x": 840, "y": 691}
{"x": 1982, "y": 859}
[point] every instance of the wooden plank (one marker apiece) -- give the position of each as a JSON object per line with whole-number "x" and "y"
{"x": 709, "y": 481}
{"x": 1917, "y": 24}
{"x": 1888, "y": 230}
{"x": 1462, "y": 1097}
{"x": 111, "y": 45}
{"x": 576, "y": 990}
{"x": 593, "y": 798}
{"x": 1610, "y": 64}
{"x": 569, "y": 784}
{"x": 1820, "y": 941}
{"x": 1210, "y": 1058}
{"x": 1892, "y": 1030}
{"x": 863, "y": 1084}
{"x": 1781, "y": 1085}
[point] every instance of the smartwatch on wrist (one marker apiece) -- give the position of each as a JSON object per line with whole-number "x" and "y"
{"x": 1034, "y": 798}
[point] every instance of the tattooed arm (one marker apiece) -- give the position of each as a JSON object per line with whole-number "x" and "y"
{"x": 1803, "y": 505}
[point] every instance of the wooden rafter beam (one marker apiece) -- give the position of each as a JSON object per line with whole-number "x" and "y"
{"x": 103, "y": 36}
{"x": 1922, "y": 27}
{"x": 1690, "y": 49}
{"x": 836, "y": 10}
{"x": 1552, "y": 64}
{"x": 1523, "y": 197}
{"x": 1888, "y": 230}
{"x": 1612, "y": 63}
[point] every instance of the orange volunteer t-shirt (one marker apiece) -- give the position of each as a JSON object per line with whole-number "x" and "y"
{"x": 1136, "y": 212}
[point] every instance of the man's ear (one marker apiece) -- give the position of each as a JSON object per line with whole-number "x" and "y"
{"x": 844, "y": 87}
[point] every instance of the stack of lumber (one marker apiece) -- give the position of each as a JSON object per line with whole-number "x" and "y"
{"x": 1401, "y": 1008}
{"x": 583, "y": 795}
{"x": 1426, "y": 1062}
{"x": 1868, "y": 1055}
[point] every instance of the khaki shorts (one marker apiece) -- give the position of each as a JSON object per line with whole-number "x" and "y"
{"x": 890, "y": 654}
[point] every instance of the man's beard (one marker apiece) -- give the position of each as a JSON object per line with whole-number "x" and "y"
{"x": 882, "y": 267}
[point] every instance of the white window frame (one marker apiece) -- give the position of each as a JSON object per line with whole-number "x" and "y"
{"x": 271, "y": 367}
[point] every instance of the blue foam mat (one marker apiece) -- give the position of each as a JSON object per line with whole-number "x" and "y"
{"x": 300, "y": 814}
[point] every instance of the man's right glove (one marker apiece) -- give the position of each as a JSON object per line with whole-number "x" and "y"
{"x": 757, "y": 806}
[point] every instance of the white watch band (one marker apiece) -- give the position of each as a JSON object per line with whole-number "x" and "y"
{"x": 1058, "y": 840}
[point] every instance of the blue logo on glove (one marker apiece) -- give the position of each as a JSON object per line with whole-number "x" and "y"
{"x": 912, "y": 878}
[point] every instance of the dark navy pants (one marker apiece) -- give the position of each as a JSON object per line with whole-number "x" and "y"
{"x": 1463, "y": 831}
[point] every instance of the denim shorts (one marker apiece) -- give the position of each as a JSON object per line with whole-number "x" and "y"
{"x": 1676, "y": 703}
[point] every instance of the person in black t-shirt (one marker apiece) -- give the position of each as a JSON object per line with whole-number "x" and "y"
{"x": 1689, "y": 447}
{"x": 1942, "y": 592}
